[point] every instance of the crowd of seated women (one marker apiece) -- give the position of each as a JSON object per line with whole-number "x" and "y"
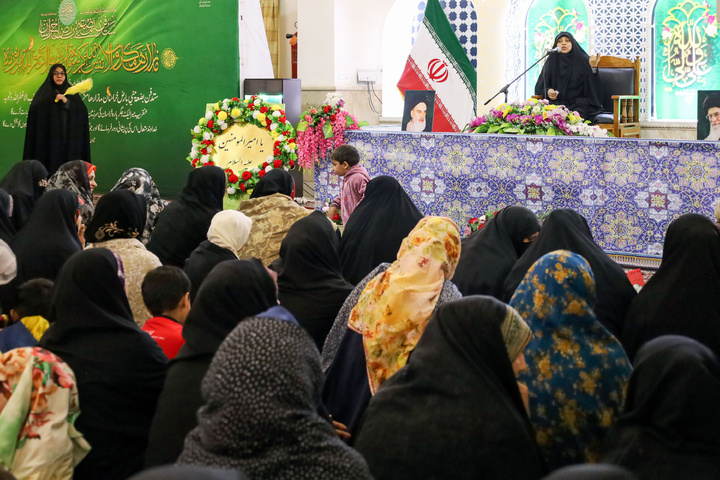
{"x": 154, "y": 340}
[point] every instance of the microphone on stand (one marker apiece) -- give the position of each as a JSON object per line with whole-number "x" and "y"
{"x": 552, "y": 50}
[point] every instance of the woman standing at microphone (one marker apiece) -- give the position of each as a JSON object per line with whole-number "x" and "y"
{"x": 570, "y": 78}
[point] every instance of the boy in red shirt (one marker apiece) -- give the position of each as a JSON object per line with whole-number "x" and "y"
{"x": 166, "y": 293}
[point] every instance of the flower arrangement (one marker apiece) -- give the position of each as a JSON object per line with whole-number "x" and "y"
{"x": 321, "y": 129}
{"x": 711, "y": 24}
{"x": 253, "y": 111}
{"x": 336, "y": 218}
{"x": 667, "y": 34}
{"x": 477, "y": 223}
{"x": 579, "y": 28}
{"x": 534, "y": 117}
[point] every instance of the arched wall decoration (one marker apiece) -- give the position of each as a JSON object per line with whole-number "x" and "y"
{"x": 544, "y": 20}
{"x": 685, "y": 44}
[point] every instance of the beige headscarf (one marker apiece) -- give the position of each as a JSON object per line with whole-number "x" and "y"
{"x": 8, "y": 264}
{"x": 229, "y": 229}
{"x": 395, "y": 306}
{"x": 516, "y": 333}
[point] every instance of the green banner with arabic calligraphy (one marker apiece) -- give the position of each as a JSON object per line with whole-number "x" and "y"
{"x": 155, "y": 65}
{"x": 686, "y": 48}
{"x": 547, "y": 18}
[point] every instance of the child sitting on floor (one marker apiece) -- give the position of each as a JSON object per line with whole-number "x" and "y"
{"x": 29, "y": 315}
{"x": 166, "y": 293}
{"x": 346, "y": 164}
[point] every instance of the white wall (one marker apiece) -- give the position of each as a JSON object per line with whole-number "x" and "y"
{"x": 358, "y": 39}
{"x": 316, "y": 46}
{"x": 286, "y": 24}
{"x": 491, "y": 51}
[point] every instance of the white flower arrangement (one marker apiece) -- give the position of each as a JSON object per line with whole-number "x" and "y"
{"x": 332, "y": 98}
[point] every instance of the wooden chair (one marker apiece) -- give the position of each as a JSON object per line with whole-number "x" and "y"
{"x": 620, "y": 80}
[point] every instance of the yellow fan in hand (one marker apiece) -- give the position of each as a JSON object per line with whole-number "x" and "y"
{"x": 81, "y": 87}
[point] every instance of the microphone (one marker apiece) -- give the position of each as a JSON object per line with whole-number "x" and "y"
{"x": 552, "y": 50}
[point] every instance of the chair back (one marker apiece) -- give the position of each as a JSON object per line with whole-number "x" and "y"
{"x": 618, "y": 76}
{"x": 615, "y": 81}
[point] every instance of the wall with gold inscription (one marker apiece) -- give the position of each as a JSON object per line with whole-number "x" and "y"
{"x": 155, "y": 65}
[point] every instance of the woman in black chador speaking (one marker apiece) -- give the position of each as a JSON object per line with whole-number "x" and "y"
{"x": 570, "y": 78}
{"x": 57, "y": 131}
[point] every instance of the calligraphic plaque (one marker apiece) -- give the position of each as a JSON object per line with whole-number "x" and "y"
{"x": 242, "y": 147}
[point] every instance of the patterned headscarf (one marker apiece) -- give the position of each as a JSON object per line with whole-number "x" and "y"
{"x": 262, "y": 392}
{"x": 577, "y": 371}
{"x": 139, "y": 181}
{"x": 395, "y": 306}
{"x": 38, "y": 408}
{"x": 73, "y": 176}
{"x": 516, "y": 333}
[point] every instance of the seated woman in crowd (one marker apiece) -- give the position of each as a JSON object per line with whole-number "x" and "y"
{"x": 25, "y": 182}
{"x": 38, "y": 409}
{"x": 184, "y": 223}
{"x": 260, "y": 416}
{"x": 117, "y": 224}
{"x": 384, "y": 317}
{"x": 672, "y": 303}
{"x": 233, "y": 291}
{"x": 565, "y": 229}
{"x": 77, "y": 177}
{"x": 310, "y": 283}
{"x": 138, "y": 180}
{"x": 7, "y": 229}
{"x": 455, "y": 411}
{"x": 228, "y": 232}
{"x": 569, "y": 77}
{"x": 489, "y": 254}
{"x": 577, "y": 372}
{"x": 120, "y": 369}
{"x": 273, "y": 211}
{"x": 668, "y": 428}
{"x": 49, "y": 238}
{"x": 376, "y": 228}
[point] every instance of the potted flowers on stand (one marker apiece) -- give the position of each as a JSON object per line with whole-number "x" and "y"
{"x": 321, "y": 129}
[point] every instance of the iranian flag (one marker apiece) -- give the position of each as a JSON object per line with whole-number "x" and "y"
{"x": 438, "y": 62}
